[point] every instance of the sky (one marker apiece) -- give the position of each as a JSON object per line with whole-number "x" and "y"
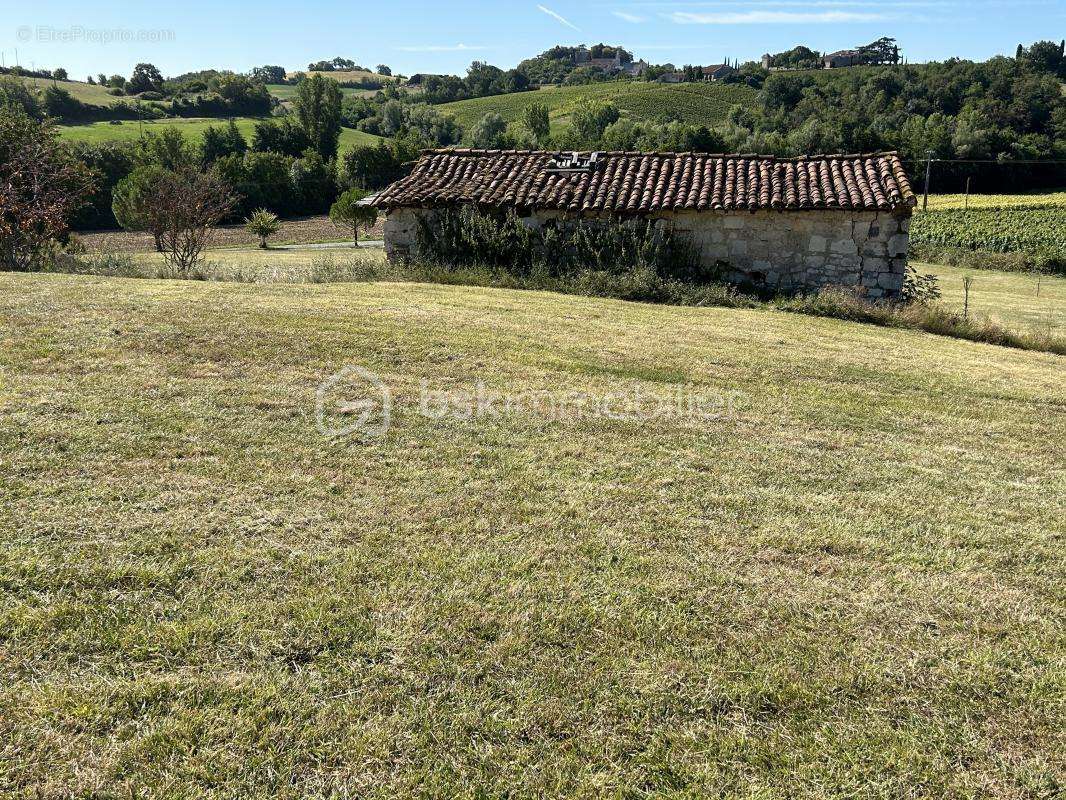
{"x": 107, "y": 36}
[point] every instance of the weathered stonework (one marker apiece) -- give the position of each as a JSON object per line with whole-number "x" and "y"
{"x": 787, "y": 252}
{"x": 803, "y": 250}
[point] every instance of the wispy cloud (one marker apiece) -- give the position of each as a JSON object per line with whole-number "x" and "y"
{"x": 440, "y": 48}
{"x": 634, "y": 18}
{"x": 772, "y": 17}
{"x": 559, "y": 17}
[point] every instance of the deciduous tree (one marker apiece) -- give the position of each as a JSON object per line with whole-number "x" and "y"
{"x": 41, "y": 185}
{"x": 185, "y": 207}
{"x": 318, "y": 109}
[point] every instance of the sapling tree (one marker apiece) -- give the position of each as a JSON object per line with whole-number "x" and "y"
{"x": 349, "y": 211}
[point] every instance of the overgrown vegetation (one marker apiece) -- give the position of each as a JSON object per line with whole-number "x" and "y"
{"x": 465, "y": 236}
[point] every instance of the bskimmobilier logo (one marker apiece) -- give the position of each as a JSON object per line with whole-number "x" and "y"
{"x": 357, "y": 402}
{"x": 354, "y": 401}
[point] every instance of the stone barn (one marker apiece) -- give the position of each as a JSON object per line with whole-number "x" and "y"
{"x": 781, "y": 224}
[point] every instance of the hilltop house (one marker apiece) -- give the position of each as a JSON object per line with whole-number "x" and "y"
{"x": 716, "y": 72}
{"x": 842, "y": 58}
{"x": 783, "y": 224}
{"x": 583, "y": 58}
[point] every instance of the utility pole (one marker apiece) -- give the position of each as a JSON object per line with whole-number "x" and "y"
{"x": 928, "y": 173}
{"x": 967, "y": 207}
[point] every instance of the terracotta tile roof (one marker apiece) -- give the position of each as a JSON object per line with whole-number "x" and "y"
{"x": 635, "y": 183}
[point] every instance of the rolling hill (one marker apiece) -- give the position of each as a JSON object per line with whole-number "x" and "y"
{"x": 695, "y": 103}
{"x": 193, "y": 128}
{"x": 285, "y": 92}
{"x": 88, "y": 93}
{"x": 344, "y": 76}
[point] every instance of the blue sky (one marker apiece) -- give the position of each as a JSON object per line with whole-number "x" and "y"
{"x": 108, "y": 36}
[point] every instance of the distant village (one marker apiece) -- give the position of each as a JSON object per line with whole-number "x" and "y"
{"x": 619, "y": 63}
{"x": 582, "y": 64}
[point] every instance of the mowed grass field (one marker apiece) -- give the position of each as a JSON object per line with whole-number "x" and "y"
{"x": 1019, "y": 300}
{"x": 193, "y": 128}
{"x": 696, "y": 103}
{"x": 848, "y": 583}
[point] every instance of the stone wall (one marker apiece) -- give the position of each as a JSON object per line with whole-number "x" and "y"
{"x": 803, "y": 250}
{"x": 401, "y": 233}
{"x": 787, "y": 252}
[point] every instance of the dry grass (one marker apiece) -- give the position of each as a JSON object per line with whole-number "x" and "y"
{"x": 1024, "y": 301}
{"x": 850, "y": 587}
{"x": 306, "y": 230}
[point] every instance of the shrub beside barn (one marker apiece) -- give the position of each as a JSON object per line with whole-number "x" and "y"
{"x": 785, "y": 225}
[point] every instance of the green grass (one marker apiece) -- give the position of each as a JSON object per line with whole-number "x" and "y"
{"x": 193, "y": 128}
{"x": 1019, "y": 301}
{"x": 696, "y": 103}
{"x": 850, "y": 587}
{"x": 1023, "y": 301}
{"x": 90, "y": 94}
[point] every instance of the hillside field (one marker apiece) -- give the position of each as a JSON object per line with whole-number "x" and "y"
{"x": 695, "y": 103}
{"x": 87, "y": 93}
{"x": 839, "y": 574}
{"x": 192, "y": 128}
{"x": 344, "y": 76}
{"x": 286, "y": 92}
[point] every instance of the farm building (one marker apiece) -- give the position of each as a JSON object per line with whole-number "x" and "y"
{"x": 842, "y": 58}
{"x": 717, "y": 72}
{"x": 783, "y": 224}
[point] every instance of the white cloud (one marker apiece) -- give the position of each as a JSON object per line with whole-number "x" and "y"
{"x": 629, "y": 17}
{"x": 772, "y": 17}
{"x": 559, "y": 17}
{"x": 440, "y": 48}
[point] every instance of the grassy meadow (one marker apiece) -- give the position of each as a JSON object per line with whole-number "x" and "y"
{"x": 696, "y": 103}
{"x": 844, "y": 582}
{"x": 1019, "y": 300}
{"x": 193, "y": 128}
{"x": 349, "y": 76}
{"x": 90, "y": 94}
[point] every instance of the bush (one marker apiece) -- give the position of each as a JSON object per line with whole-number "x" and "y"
{"x": 263, "y": 223}
{"x": 132, "y": 196}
